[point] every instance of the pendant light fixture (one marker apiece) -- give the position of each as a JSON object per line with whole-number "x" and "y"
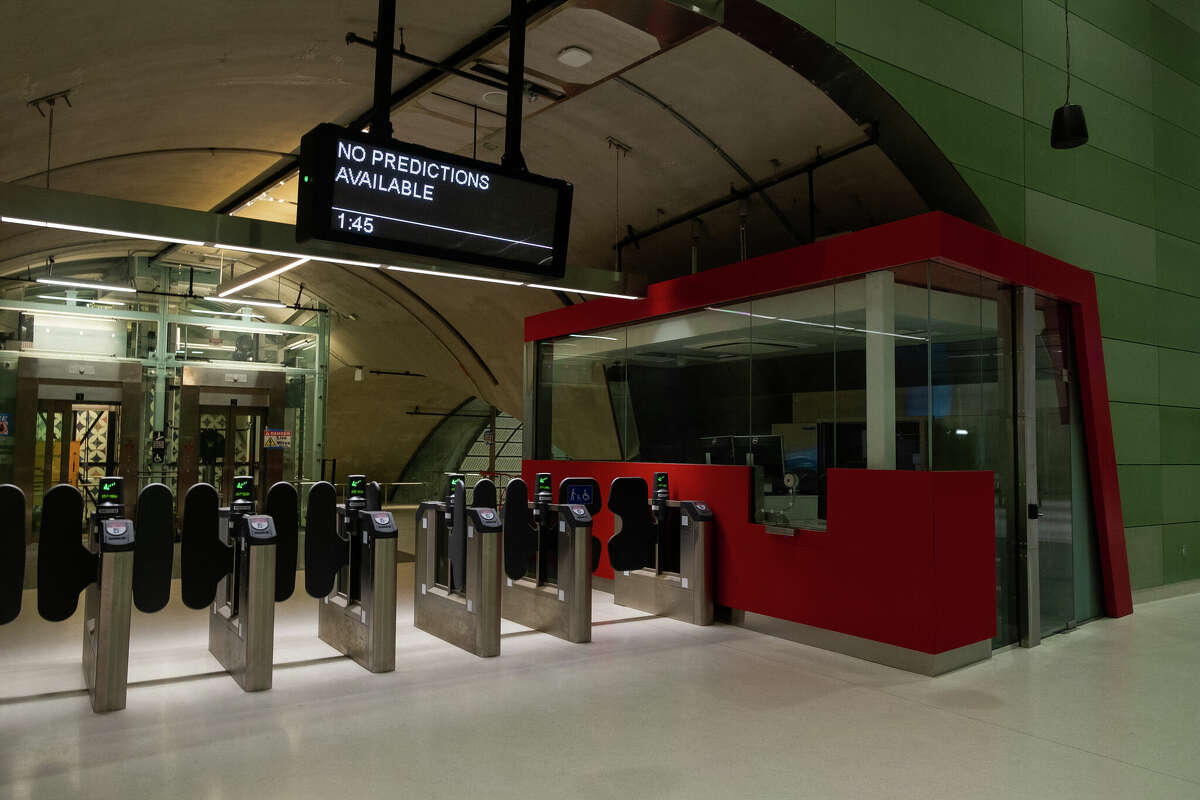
{"x": 1069, "y": 128}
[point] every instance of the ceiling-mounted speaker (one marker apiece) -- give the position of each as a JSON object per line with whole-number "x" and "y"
{"x": 1069, "y": 128}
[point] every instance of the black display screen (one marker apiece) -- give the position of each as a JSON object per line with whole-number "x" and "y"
{"x": 412, "y": 199}
{"x": 543, "y": 482}
{"x": 109, "y": 491}
{"x": 357, "y": 487}
{"x": 243, "y": 488}
{"x": 660, "y": 482}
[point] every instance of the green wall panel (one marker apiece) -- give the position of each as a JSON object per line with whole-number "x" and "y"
{"x": 969, "y": 131}
{"x": 1132, "y": 371}
{"x": 1145, "y": 549}
{"x": 1175, "y": 98}
{"x": 1141, "y": 494}
{"x": 1127, "y": 309}
{"x": 1178, "y": 264}
{"x": 1136, "y": 433}
{"x": 1185, "y": 11}
{"x": 921, "y": 39}
{"x": 1004, "y": 199}
{"x": 1177, "y": 207}
{"x": 1181, "y": 552}
{"x": 1180, "y": 435}
{"x": 1089, "y": 238}
{"x": 1180, "y": 500}
{"x": 1178, "y": 320}
{"x": 1178, "y": 378}
{"x": 1176, "y": 152}
{"x": 1000, "y": 18}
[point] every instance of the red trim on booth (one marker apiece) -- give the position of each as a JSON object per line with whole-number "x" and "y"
{"x": 932, "y": 236}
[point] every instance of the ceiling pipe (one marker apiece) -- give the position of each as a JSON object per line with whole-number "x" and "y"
{"x": 750, "y": 190}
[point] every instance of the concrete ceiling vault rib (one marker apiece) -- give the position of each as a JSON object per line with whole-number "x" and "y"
{"x": 162, "y": 151}
{"x": 435, "y": 324}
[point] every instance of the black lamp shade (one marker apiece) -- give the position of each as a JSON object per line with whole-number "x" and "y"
{"x": 1069, "y": 128}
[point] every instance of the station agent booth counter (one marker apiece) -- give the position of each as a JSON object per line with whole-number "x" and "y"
{"x": 350, "y": 568}
{"x": 456, "y": 584}
{"x": 115, "y": 570}
{"x": 550, "y": 555}
{"x": 238, "y": 564}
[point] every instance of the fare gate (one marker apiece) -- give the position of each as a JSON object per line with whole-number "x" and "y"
{"x": 350, "y": 568}
{"x": 456, "y": 586}
{"x": 115, "y": 570}
{"x": 238, "y": 564}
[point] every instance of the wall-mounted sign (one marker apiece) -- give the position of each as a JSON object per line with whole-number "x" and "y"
{"x": 276, "y": 439}
{"x": 411, "y": 199}
{"x": 5, "y": 425}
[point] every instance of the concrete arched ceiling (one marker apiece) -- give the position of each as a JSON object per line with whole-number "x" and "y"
{"x": 202, "y": 106}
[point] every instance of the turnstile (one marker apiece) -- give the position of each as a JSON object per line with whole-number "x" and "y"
{"x": 115, "y": 570}
{"x": 350, "y": 567}
{"x": 549, "y": 557}
{"x": 661, "y": 551}
{"x": 238, "y": 564}
{"x": 456, "y": 587}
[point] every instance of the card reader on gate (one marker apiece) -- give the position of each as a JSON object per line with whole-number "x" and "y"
{"x": 377, "y": 524}
{"x": 257, "y": 529}
{"x": 116, "y": 535}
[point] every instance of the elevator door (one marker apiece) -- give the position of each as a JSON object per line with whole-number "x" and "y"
{"x": 229, "y": 443}
{"x": 77, "y": 443}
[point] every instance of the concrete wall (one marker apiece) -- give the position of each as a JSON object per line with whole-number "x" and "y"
{"x": 369, "y": 430}
{"x": 983, "y": 77}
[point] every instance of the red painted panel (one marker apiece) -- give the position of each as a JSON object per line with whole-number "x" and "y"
{"x": 908, "y": 558}
{"x": 964, "y": 557}
{"x": 933, "y": 236}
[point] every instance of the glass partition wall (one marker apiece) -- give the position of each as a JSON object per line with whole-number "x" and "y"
{"x": 900, "y": 369}
{"x": 96, "y": 385}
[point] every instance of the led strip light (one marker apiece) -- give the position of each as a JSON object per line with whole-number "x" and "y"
{"x": 301, "y": 259}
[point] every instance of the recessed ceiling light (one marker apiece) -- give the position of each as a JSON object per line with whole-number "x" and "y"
{"x": 495, "y": 98}
{"x": 574, "y": 56}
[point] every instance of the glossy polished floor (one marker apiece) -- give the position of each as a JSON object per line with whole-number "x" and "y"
{"x": 651, "y": 709}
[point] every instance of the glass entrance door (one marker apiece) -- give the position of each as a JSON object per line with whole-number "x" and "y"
{"x": 1055, "y": 418}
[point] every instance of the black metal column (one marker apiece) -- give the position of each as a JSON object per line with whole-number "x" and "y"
{"x": 516, "y": 87}
{"x": 385, "y": 37}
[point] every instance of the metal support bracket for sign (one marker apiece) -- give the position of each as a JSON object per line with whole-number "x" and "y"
{"x": 512, "y": 158}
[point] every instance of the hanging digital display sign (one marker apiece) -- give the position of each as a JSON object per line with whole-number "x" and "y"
{"x": 415, "y": 200}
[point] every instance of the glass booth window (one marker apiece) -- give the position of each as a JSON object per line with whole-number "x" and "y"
{"x": 883, "y": 371}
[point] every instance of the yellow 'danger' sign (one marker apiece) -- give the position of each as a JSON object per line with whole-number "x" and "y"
{"x": 277, "y": 439}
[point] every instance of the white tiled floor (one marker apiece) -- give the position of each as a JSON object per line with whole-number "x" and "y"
{"x": 651, "y": 709}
